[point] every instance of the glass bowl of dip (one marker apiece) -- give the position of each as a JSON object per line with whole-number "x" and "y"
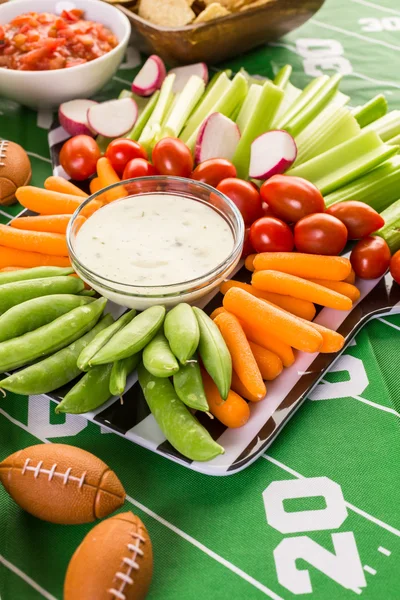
{"x": 156, "y": 240}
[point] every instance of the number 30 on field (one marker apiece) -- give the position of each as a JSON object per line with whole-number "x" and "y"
{"x": 343, "y": 566}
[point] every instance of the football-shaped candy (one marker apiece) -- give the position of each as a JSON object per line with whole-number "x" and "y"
{"x": 61, "y": 484}
{"x": 114, "y": 562}
{"x": 15, "y": 170}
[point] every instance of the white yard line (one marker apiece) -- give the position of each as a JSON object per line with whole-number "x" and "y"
{"x": 282, "y": 45}
{"x": 128, "y": 83}
{"x": 372, "y": 80}
{"x": 355, "y": 35}
{"x": 27, "y": 579}
{"x": 369, "y": 570}
{"x": 372, "y": 5}
{"x": 375, "y": 405}
{"x": 43, "y": 158}
{"x": 388, "y": 323}
{"x": 3, "y": 212}
{"x": 384, "y": 551}
{"x": 359, "y": 511}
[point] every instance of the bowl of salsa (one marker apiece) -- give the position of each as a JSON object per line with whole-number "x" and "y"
{"x": 59, "y": 50}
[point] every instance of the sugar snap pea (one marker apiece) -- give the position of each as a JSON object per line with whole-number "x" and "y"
{"x": 89, "y": 293}
{"x": 37, "y": 312}
{"x": 48, "y": 339}
{"x": 133, "y": 337}
{"x": 189, "y": 387}
{"x": 54, "y": 371}
{"x": 180, "y": 427}
{"x": 102, "y": 339}
{"x": 20, "y": 291}
{"x": 158, "y": 357}
{"x": 91, "y": 391}
{"x": 214, "y": 353}
{"x": 182, "y": 331}
{"x": 120, "y": 371}
{"x": 34, "y": 273}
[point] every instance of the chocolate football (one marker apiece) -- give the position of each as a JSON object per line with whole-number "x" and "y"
{"x": 15, "y": 170}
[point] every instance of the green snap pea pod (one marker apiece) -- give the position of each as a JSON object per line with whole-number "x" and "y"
{"x": 91, "y": 391}
{"x": 189, "y": 387}
{"x": 133, "y": 337}
{"x": 102, "y": 339}
{"x": 51, "y": 337}
{"x": 37, "y": 312}
{"x": 20, "y": 291}
{"x": 34, "y": 273}
{"x": 214, "y": 353}
{"x": 54, "y": 371}
{"x": 89, "y": 293}
{"x": 180, "y": 427}
{"x": 158, "y": 358}
{"x": 182, "y": 331}
{"x": 120, "y": 371}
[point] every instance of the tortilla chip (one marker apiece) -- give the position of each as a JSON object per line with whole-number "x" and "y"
{"x": 166, "y": 13}
{"x": 228, "y": 4}
{"x": 255, "y": 4}
{"x": 213, "y": 11}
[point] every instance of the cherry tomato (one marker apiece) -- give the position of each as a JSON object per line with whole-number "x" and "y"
{"x": 269, "y": 234}
{"x": 267, "y": 212}
{"x": 370, "y": 257}
{"x": 138, "y": 167}
{"x": 79, "y": 156}
{"x": 172, "y": 157}
{"x": 120, "y": 152}
{"x": 247, "y": 247}
{"x": 291, "y": 198}
{"x": 213, "y": 171}
{"x": 320, "y": 234}
{"x": 245, "y": 196}
{"x": 394, "y": 266}
{"x": 360, "y": 219}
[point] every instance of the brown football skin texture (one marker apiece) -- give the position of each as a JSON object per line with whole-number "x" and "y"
{"x": 81, "y": 489}
{"x": 106, "y": 553}
{"x": 15, "y": 170}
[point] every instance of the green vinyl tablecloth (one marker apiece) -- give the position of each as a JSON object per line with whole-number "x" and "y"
{"x": 318, "y": 516}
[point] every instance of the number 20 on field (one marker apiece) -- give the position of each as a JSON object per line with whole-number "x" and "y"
{"x": 343, "y": 566}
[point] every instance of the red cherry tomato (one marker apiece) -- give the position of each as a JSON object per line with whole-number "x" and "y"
{"x": 247, "y": 247}
{"x": 138, "y": 167}
{"x": 120, "y": 152}
{"x": 269, "y": 234}
{"x": 79, "y": 156}
{"x": 245, "y": 196}
{"x": 172, "y": 157}
{"x": 291, "y": 198}
{"x": 394, "y": 266}
{"x": 370, "y": 257}
{"x": 267, "y": 212}
{"x": 359, "y": 218}
{"x": 213, "y": 171}
{"x": 320, "y": 234}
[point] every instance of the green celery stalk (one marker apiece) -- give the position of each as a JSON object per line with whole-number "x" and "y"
{"x": 282, "y": 77}
{"x": 390, "y": 232}
{"x": 394, "y": 140}
{"x": 387, "y": 126}
{"x": 345, "y": 162}
{"x": 372, "y": 110}
{"x": 258, "y": 80}
{"x": 143, "y": 118}
{"x": 292, "y": 93}
{"x": 186, "y": 101}
{"x": 125, "y": 94}
{"x": 248, "y": 105}
{"x": 377, "y": 188}
{"x": 215, "y": 78}
{"x": 260, "y": 121}
{"x": 153, "y": 126}
{"x": 339, "y": 99}
{"x": 303, "y": 99}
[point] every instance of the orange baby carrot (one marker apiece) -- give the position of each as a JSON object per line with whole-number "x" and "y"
{"x": 332, "y": 341}
{"x": 249, "y": 262}
{"x": 269, "y": 363}
{"x": 79, "y": 221}
{"x": 232, "y": 412}
{"x": 217, "y": 311}
{"x": 238, "y": 387}
{"x": 7, "y": 269}
{"x": 49, "y": 223}
{"x": 341, "y": 287}
{"x": 33, "y": 241}
{"x": 107, "y": 176}
{"x": 298, "y": 307}
{"x": 92, "y": 206}
{"x": 290, "y": 285}
{"x": 313, "y": 266}
{"x": 271, "y": 320}
{"x": 350, "y": 278}
{"x": 59, "y": 184}
{"x": 46, "y": 202}
{"x": 95, "y": 185}
{"x": 243, "y": 360}
{"x": 22, "y": 258}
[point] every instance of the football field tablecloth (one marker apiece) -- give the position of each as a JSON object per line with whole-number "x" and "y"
{"x": 318, "y": 516}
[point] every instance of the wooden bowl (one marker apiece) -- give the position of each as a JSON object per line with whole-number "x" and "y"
{"x": 222, "y": 38}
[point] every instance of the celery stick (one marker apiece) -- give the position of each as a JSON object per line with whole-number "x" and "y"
{"x": 125, "y": 94}
{"x": 394, "y": 140}
{"x": 372, "y": 110}
{"x": 153, "y": 125}
{"x": 339, "y": 99}
{"x": 143, "y": 117}
{"x": 260, "y": 121}
{"x": 215, "y": 78}
{"x": 282, "y": 77}
{"x": 304, "y": 98}
{"x": 345, "y": 162}
{"x": 390, "y": 232}
{"x": 187, "y": 100}
{"x": 256, "y": 79}
{"x": 387, "y": 126}
{"x": 292, "y": 93}
{"x": 248, "y": 105}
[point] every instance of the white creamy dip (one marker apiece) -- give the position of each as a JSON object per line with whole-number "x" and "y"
{"x": 154, "y": 240}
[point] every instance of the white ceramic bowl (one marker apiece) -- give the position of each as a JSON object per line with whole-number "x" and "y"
{"x": 48, "y": 89}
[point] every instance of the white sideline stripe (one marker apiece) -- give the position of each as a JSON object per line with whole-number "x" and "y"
{"x": 27, "y": 579}
{"x": 355, "y": 35}
{"x": 206, "y": 550}
{"x": 384, "y": 551}
{"x": 382, "y": 8}
{"x": 369, "y": 570}
{"x": 10, "y": 217}
{"x": 389, "y": 323}
{"x": 128, "y": 83}
{"x": 43, "y": 158}
{"x": 351, "y": 506}
{"x": 173, "y": 528}
{"x": 375, "y": 405}
{"x": 372, "y": 80}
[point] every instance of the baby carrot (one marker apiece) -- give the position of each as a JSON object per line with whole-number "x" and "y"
{"x": 271, "y": 320}
{"x": 46, "y": 202}
{"x": 243, "y": 360}
{"x": 296, "y": 306}
{"x": 49, "y": 223}
{"x": 33, "y": 241}
{"x": 332, "y": 341}
{"x": 8, "y": 269}
{"x": 249, "y": 262}
{"x": 91, "y": 207}
{"x": 107, "y": 176}
{"x": 232, "y": 412}
{"x": 275, "y": 281}
{"x": 95, "y": 185}
{"x": 217, "y": 311}
{"x": 238, "y": 387}
{"x": 59, "y": 184}
{"x": 341, "y": 287}
{"x": 350, "y": 278}
{"x": 313, "y": 266}
{"x": 22, "y": 258}
{"x": 269, "y": 363}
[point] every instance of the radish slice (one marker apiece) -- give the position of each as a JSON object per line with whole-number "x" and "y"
{"x": 183, "y": 74}
{"x": 272, "y": 153}
{"x": 113, "y": 118}
{"x": 150, "y": 77}
{"x": 217, "y": 138}
{"x": 73, "y": 116}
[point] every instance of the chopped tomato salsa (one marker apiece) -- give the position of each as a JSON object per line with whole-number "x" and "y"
{"x": 44, "y": 41}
